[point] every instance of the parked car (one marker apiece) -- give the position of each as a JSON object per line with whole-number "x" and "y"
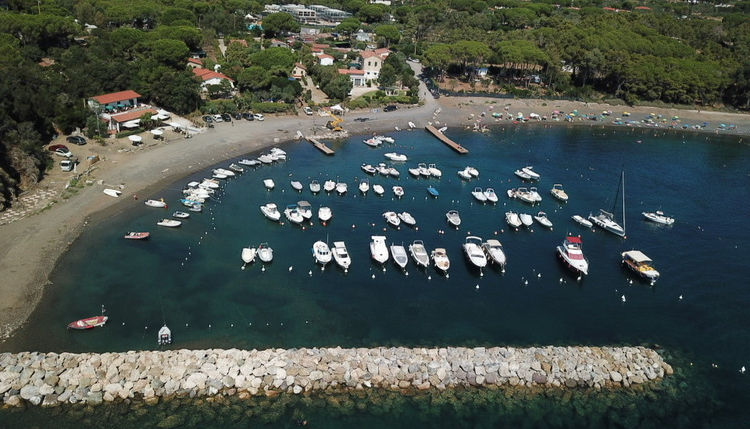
{"x": 308, "y": 111}
{"x": 208, "y": 119}
{"x": 390, "y": 108}
{"x": 226, "y": 117}
{"x": 217, "y": 118}
{"x": 238, "y": 116}
{"x": 259, "y": 117}
{"x": 68, "y": 164}
{"x": 248, "y": 116}
{"x": 76, "y": 140}
{"x": 61, "y": 150}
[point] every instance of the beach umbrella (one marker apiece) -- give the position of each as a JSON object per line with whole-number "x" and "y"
{"x": 157, "y": 132}
{"x": 135, "y": 139}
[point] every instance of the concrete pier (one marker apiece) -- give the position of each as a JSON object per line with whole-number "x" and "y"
{"x": 443, "y": 138}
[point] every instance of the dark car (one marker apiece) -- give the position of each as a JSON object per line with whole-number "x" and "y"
{"x": 54, "y": 147}
{"x": 226, "y": 117}
{"x": 390, "y": 108}
{"x": 238, "y": 116}
{"x": 76, "y": 140}
{"x": 248, "y": 116}
{"x": 208, "y": 119}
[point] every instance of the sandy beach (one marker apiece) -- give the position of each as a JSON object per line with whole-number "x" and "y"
{"x": 30, "y": 247}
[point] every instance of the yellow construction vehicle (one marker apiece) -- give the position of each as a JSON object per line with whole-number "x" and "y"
{"x": 335, "y": 124}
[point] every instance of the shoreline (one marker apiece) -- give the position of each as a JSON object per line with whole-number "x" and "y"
{"x": 30, "y": 248}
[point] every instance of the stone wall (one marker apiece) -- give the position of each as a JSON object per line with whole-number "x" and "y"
{"x": 50, "y": 379}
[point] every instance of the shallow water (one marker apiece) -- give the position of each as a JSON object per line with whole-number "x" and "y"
{"x": 191, "y": 278}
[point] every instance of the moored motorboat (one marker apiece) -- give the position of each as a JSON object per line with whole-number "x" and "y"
{"x": 305, "y": 209}
{"x": 398, "y": 191}
{"x": 529, "y": 170}
{"x": 534, "y": 194}
{"x": 236, "y": 168}
{"x": 392, "y": 218}
{"x": 164, "y": 336}
{"x": 271, "y": 211}
{"x": 399, "y": 255}
{"x": 314, "y": 187}
{"x": 265, "y": 252}
{"x": 473, "y": 251}
{"x": 393, "y": 172}
{"x": 524, "y": 195}
{"x": 209, "y": 184}
{"x": 582, "y": 221}
{"x": 464, "y": 174}
{"x": 606, "y": 220}
{"x": 248, "y": 162}
{"x": 512, "y": 218}
{"x": 526, "y": 219}
{"x": 265, "y": 159}
{"x": 88, "y": 323}
{"x": 453, "y": 218}
{"x": 296, "y": 185}
{"x": 419, "y": 253}
{"x": 639, "y": 263}
{"x": 329, "y": 185}
{"x": 432, "y": 191}
{"x": 325, "y": 214}
{"x": 473, "y": 171}
{"x": 369, "y": 169}
{"x": 571, "y": 253}
{"x": 156, "y": 203}
{"x": 341, "y": 188}
{"x": 478, "y": 194}
{"x": 321, "y": 253}
{"x": 181, "y": 215}
{"x": 558, "y": 192}
{"x": 268, "y": 183}
{"x": 522, "y": 174}
{"x": 440, "y": 259}
{"x": 137, "y": 235}
{"x": 197, "y": 208}
{"x": 372, "y": 142}
{"x": 248, "y": 254}
{"x": 658, "y": 217}
{"x": 407, "y": 218}
{"x": 490, "y": 195}
{"x": 292, "y": 214}
{"x": 112, "y": 192}
{"x": 423, "y": 170}
{"x": 494, "y": 251}
{"x": 341, "y": 255}
{"x": 414, "y": 172}
{"x": 378, "y": 189}
{"x": 382, "y": 169}
{"x": 217, "y": 175}
{"x": 397, "y": 157}
{"x": 541, "y": 217}
{"x": 378, "y": 249}
{"x": 225, "y": 172}
{"x": 169, "y": 223}
{"x": 434, "y": 171}
{"x": 364, "y": 186}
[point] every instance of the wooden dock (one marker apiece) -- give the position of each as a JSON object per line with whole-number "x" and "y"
{"x": 321, "y": 146}
{"x": 451, "y": 144}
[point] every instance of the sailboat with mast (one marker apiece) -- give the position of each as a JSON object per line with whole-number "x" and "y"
{"x": 606, "y": 220}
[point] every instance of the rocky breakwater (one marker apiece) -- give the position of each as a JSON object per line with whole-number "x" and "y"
{"x": 50, "y": 379}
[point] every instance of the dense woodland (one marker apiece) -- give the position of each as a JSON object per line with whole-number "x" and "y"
{"x": 653, "y": 51}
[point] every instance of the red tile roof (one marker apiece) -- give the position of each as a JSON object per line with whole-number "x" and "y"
{"x": 116, "y": 96}
{"x": 133, "y": 114}
{"x": 300, "y": 65}
{"x": 206, "y": 74}
{"x": 352, "y": 72}
{"x": 380, "y": 53}
{"x": 325, "y": 56}
{"x": 195, "y": 61}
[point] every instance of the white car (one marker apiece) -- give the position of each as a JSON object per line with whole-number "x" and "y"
{"x": 308, "y": 111}
{"x": 217, "y": 118}
{"x": 67, "y": 165}
{"x": 259, "y": 117}
{"x": 63, "y": 152}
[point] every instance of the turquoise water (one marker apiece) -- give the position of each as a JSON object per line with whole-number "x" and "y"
{"x": 191, "y": 277}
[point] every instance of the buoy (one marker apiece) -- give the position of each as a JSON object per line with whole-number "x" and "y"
{"x": 477, "y": 286}
{"x": 373, "y": 276}
{"x": 290, "y": 268}
{"x": 263, "y": 268}
{"x": 429, "y": 277}
{"x": 309, "y": 273}
{"x": 680, "y": 297}
{"x": 539, "y": 276}
{"x": 742, "y": 370}
{"x": 623, "y": 298}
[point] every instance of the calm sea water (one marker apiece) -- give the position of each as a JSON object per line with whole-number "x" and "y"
{"x": 191, "y": 277}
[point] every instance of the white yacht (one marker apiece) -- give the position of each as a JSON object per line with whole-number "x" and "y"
{"x": 296, "y": 185}
{"x": 524, "y": 195}
{"x": 329, "y": 185}
{"x": 341, "y": 188}
{"x": 392, "y": 218}
{"x": 248, "y": 254}
{"x": 414, "y": 172}
{"x": 398, "y": 191}
{"x": 399, "y": 255}
{"x": 606, "y": 220}
{"x": 265, "y": 253}
{"x": 270, "y": 211}
{"x": 534, "y": 194}
{"x": 522, "y": 174}
{"x": 526, "y": 219}
{"x": 529, "y": 170}
{"x": 369, "y": 169}
{"x": 364, "y": 186}
{"x": 181, "y": 215}
{"x": 293, "y": 215}
{"x": 490, "y": 194}
{"x": 473, "y": 251}
{"x": 423, "y": 170}
{"x": 321, "y": 253}
{"x": 393, "y": 172}
{"x": 378, "y": 249}
{"x": 453, "y": 218}
{"x": 325, "y": 214}
{"x": 341, "y": 256}
{"x": 169, "y": 223}
{"x": 464, "y": 174}
{"x": 305, "y": 209}
{"x": 571, "y": 254}
{"x": 541, "y": 217}
{"x": 658, "y": 217}
{"x": 419, "y": 253}
{"x": 434, "y": 171}
{"x": 407, "y": 218}
{"x": 494, "y": 251}
{"x": 268, "y": 183}
{"x": 478, "y": 194}
{"x": 558, "y": 192}
{"x": 513, "y": 219}
{"x": 398, "y": 157}
{"x": 378, "y": 189}
{"x": 440, "y": 259}
{"x": 314, "y": 187}
{"x": 582, "y": 221}
{"x": 473, "y": 171}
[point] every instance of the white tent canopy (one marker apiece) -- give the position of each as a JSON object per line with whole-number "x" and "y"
{"x": 157, "y": 132}
{"x": 131, "y": 124}
{"x": 135, "y": 139}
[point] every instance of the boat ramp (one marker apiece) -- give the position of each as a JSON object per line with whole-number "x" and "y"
{"x": 451, "y": 144}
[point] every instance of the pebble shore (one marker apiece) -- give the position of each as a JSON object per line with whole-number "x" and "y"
{"x": 51, "y": 379}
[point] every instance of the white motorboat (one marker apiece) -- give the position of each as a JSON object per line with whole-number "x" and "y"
{"x": 494, "y": 251}
{"x": 112, "y": 192}
{"x": 534, "y": 194}
{"x": 558, "y": 192}
{"x": 658, "y": 217}
{"x": 473, "y": 171}
{"x": 606, "y": 220}
{"x": 522, "y": 174}
{"x": 314, "y": 187}
{"x": 490, "y": 194}
{"x": 270, "y": 211}
{"x": 398, "y": 157}
{"x": 224, "y": 171}
{"x": 169, "y": 223}
{"x": 464, "y": 174}
{"x": 293, "y": 215}
{"x": 156, "y": 203}
{"x": 325, "y": 214}
{"x": 398, "y": 191}
{"x": 529, "y": 170}
{"x": 414, "y": 172}
{"x": 541, "y": 217}
{"x": 364, "y": 186}
{"x": 393, "y": 172}
{"x": 268, "y": 183}
{"x": 582, "y": 221}
{"x": 453, "y": 218}
{"x": 248, "y": 254}
{"x": 236, "y": 168}
{"x": 329, "y": 185}
{"x": 407, "y": 218}
{"x": 399, "y": 255}
{"x": 639, "y": 263}
{"x": 513, "y": 219}
{"x": 524, "y": 195}
{"x": 279, "y": 154}
{"x": 378, "y": 249}
{"x": 412, "y": 125}
{"x": 473, "y": 251}
{"x": 372, "y": 142}
{"x": 305, "y": 209}
{"x": 382, "y": 169}
{"x": 296, "y": 185}
{"x": 265, "y": 253}
{"x": 249, "y": 162}
{"x": 181, "y": 215}
{"x": 321, "y": 253}
{"x": 341, "y": 256}
{"x": 196, "y": 208}
{"x": 423, "y": 170}
{"x": 369, "y": 169}
{"x": 419, "y": 253}
{"x": 265, "y": 159}
{"x": 164, "y": 336}
{"x": 341, "y": 188}
{"x": 386, "y": 139}
{"x": 392, "y": 218}
{"x": 209, "y": 184}
{"x": 526, "y": 219}
{"x": 440, "y": 259}
{"x": 378, "y": 189}
{"x": 478, "y": 194}
{"x": 571, "y": 253}
{"x": 434, "y": 171}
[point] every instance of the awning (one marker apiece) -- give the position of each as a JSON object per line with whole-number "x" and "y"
{"x": 135, "y": 139}
{"x": 176, "y": 125}
{"x": 157, "y": 132}
{"x": 132, "y": 124}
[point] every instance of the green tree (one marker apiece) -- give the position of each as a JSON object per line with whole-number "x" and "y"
{"x": 253, "y": 78}
{"x": 274, "y": 59}
{"x": 372, "y": 13}
{"x": 169, "y": 52}
{"x": 438, "y": 56}
{"x": 348, "y": 26}
{"x": 338, "y": 88}
{"x": 389, "y": 33}
{"x": 172, "y": 14}
{"x": 280, "y": 23}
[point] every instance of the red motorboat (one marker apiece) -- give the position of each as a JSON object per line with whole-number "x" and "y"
{"x": 88, "y": 323}
{"x": 137, "y": 235}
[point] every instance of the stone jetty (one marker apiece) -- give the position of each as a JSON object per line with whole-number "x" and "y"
{"x": 50, "y": 379}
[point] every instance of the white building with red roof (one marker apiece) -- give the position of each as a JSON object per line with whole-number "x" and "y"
{"x": 372, "y": 62}
{"x": 115, "y": 100}
{"x": 325, "y": 60}
{"x": 210, "y": 77}
{"x": 357, "y": 76}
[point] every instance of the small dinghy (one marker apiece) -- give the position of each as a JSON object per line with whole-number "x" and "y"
{"x": 558, "y": 192}
{"x": 453, "y": 218}
{"x": 526, "y": 219}
{"x": 398, "y": 191}
{"x": 249, "y": 162}
{"x": 236, "y": 168}
{"x": 378, "y": 189}
{"x": 494, "y": 251}
{"x": 88, "y": 323}
{"x": 321, "y": 253}
{"x": 270, "y": 211}
{"x": 407, "y": 218}
{"x": 399, "y": 255}
{"x": 512, "y": 219}
{"x": 112, "y": 192}
{"x": 293, "y": 215}
{"x": 478, "y": 194}
{"x": 341, "y": 255}
{"x": 329, "y": 185}
{"x": 137, "y": 235}
{"x": 341, "y": 188}
{"x": 419, "y": 253}
{"x": 181, "y": 215}
{"x": 268, "y": 183}
{"x": 464, "y": 174}
{"x": 393, "y": 172}
{"x": 473, "y": 251}
{"x": 440, "y": 259}
{"x": 265, "y": 253}
{"x": 541, "y": 217}
{"x": 248, "y": 254}
{"x": 364, "y": 186}
{"x": 156, "y": 203}
{"x": 372, "y": 142}
{"x": 296, "y": 185}
{"x": 397, "y": 157}
{"x": 490, "y": 194}
{"x": 386, "y": 139}
{"x": 434, "y": 171}
{"x": 325, "y": 214}
{"x": 164, "y": 336}
{"x": 378, "y": 249}
{"x": 423, "y": 170}
{"x": 433, "y": 192}
{"x": 658, "y": 217}
{"x": 582, "y": 221}
{"x": 169, "y": 223}
{"x": 305, "y": 209}
{"x": 369, "y": 169}
{"x": 392, "y": 218}
{"x": 314, "y": 187}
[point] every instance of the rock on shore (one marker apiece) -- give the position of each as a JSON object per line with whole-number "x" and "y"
{"x": 50, "y": 379}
